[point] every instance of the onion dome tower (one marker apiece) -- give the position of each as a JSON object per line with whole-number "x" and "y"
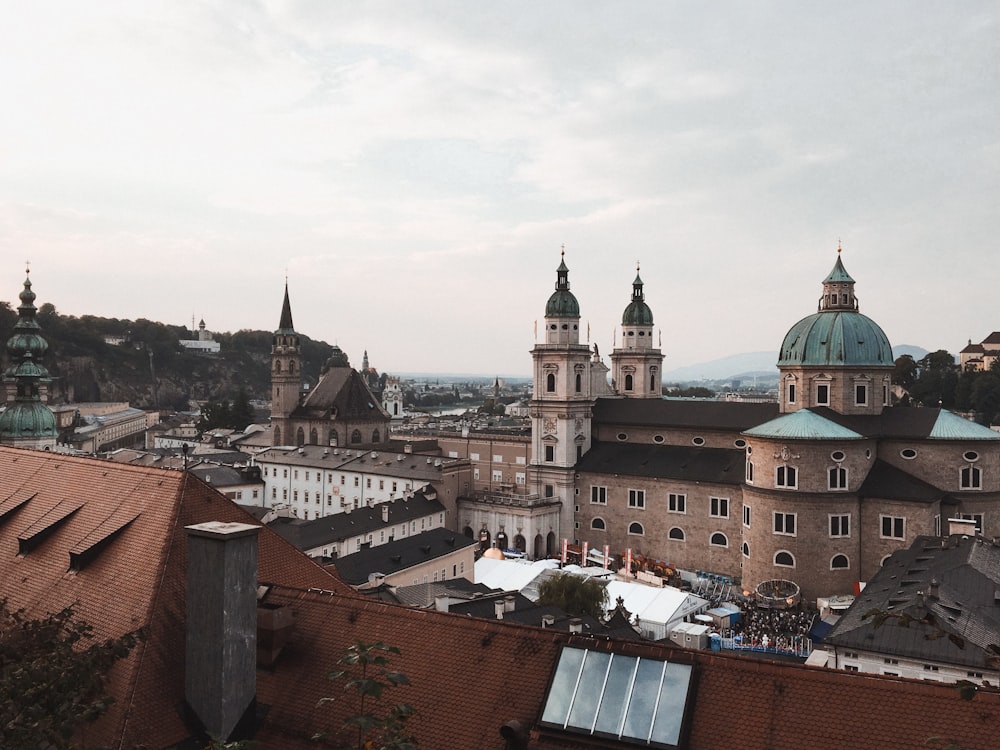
{"x": 836, "y": 357}
{"x": 637, "y": 364}
{"x": 27, "y": 422}
{"x": 286, "y": 373}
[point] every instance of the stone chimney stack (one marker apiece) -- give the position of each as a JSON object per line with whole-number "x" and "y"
{"x": 220, "y": 675}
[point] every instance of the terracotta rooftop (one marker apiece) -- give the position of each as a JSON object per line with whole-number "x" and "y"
{"x": 468, "y": 676}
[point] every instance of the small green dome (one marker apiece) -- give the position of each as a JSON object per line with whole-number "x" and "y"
{"x": 637, "y": 313}
{"x": 27, "y": 419}
{"x": 836, "y": 338}
{"x": 562, "y": 303}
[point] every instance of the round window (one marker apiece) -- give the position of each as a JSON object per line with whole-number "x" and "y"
{"x": 622, "y": 436}
{"x": 970, "y": 456}
{"x": 657, "y": 438}
{"x": 741, "y": 443}
{"x": 838, "y": 456}
{"x": 908, "y": 453}
{"x": 749, "y": 449}
{"x": 698, "y": 440}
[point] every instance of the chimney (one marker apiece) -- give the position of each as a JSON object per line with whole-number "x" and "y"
{"x": 498, "y": 607}
{"x": 548, "y": 621}
{"x": 576, "y": 625}
{"x": 508, "y": 604}
{"x": 385, "y": 513}
{"x": 934, "y": 589}
{"x": 961, "y": 526}
{"x": 441, "y": 603}
{"x": 220, "y": 674}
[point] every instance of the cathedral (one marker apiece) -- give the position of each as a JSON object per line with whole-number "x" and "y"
{"x": 339, "y": 410}
{"x": 818, "y": 489}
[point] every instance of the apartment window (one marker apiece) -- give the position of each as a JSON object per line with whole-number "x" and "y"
{"x": 637, "y": 498}
{"x": 368, "y": 483}
{"x": 519, "y": 477}
{"x": 677, "y": 503}
{"x": 718, "y": 507}
{"x": 840, "y": 562}
{"x": 394, "y": 488}
{"x": 296, "y": 474}
{"x": 746, "y": 516}
{"x": 718, "y": 539}
{"x": 823, "y": 394}
{"x": 497, "y": 459}
{"x": 786, "y": 476}
{"x": 784, "y": 523}
{"x": 521, "y": 460}
{"x": 274, "y": 493}
{"x": 343, "y": 479}
{"x": 597, "y": 524}
{"x": 475, "y": 473}
{"x": 837, "y": 478}
{"x": 676, "y": 533}
{"x": 893, "y": 527}
{"x": 357, "y": 481}
{"x": 550, "y": 453}
{"x": 295, "y": 496}
{"x": 636, "y": 529}
{"x": 474, "y": 456}
{"x": 599, "y": 495}
{"x": 784, "y": 559}
{"x": 284, "y": 473}
{"x": 851, "y": 668}
{"x": 550, "y": 491}
{"x": 840, "y": 525}
{"x": 972, "y": 478}
{"x": 497, "y": 475}
{"x": 860, "y": 395}
{"x": 750, "y": 472}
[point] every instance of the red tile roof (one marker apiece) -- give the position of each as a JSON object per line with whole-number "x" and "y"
{"x": 468, "y": 676}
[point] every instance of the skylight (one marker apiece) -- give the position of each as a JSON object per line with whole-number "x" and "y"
{"x": 637, "y": 700}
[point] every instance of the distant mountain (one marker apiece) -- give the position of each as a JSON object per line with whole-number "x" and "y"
{"x": 749, "y": 365}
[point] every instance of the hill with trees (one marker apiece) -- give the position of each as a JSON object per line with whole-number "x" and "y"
{"x": 150, "y": 369}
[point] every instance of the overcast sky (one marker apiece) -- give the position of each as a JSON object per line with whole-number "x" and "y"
{"x": 414, "y": 168}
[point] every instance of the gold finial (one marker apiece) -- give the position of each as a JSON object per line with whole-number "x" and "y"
{"x": 637, "y": 265}
{"x": 562, "y": 252}
{"x": 838, "y": 246}
{"x": 27, "y": 266}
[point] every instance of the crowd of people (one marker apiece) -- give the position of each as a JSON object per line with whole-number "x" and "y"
{"x": 779, "y": 630}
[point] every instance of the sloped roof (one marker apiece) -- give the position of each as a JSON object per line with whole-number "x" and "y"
{"x": 136, "y": 581}
{"x": 910, "y": 423}
{"x": 343, "y": 390}
{"x": 950, "y": 426}
{"x": 722, "y": 465}
{"x": 306, "y": 535}
{"x": 401, "y": 554}
{"x": 803, "y": 425}
{"x": 993, "y": 338}
{"x": 707, "y": 415}
{"x": 889, "y": 482}
{"x": 967, "y": 572}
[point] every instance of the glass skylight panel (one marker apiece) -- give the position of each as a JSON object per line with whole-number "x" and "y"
{"x": 637, "y": 700}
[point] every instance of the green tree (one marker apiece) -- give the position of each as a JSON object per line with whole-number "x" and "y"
{"x": 575, "y": 595}
{"x": 241, "y": 413}
{"x": 367, "y": 676}
{"x": 905, "y": 371}
{"x": 52, "y": 677}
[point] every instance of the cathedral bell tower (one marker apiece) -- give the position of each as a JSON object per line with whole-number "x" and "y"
{"x": 562, "y": 401}
{"x": 636, "y": 365}
{"x": 286, "y": 375}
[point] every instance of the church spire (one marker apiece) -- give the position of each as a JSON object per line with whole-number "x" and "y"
{"x": 838, "y": 288}
{"x": 285, "y": 324}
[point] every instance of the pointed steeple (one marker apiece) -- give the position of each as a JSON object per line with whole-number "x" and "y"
{"x": 285, "y": 324}
{"x": 637, "y": 313}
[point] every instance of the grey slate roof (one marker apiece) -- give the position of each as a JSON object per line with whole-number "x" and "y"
{"x": 306, "y": 535}
{"x": 709, "y": 415}
{"x": 401, "y": 554}
{"x": 889, "y": 482}
{"x": 721, "y": 465}
{"x": 343, "y": 393}
{"x": 908, "y": 422}
{"x": 964, "y": 618}
{"x": 424, "y": 594}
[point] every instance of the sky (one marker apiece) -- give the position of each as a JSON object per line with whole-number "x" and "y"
{"x": 414, "y": 169}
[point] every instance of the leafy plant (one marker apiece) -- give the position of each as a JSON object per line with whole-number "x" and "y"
{"x": 367, "y": 676}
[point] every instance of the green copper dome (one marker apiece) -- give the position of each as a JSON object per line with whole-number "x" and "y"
{"x": 27, "y": 335}
{"x": 837, "y": 335}
{"x": 562, "y": 303}
{"x": 27, "y": 419}
{"x": 637, "y": 313}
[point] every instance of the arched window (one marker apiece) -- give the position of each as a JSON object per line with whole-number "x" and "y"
{"x": 636, "y": 529}
{"x": 277, "y": 365}
{"x": 597, "y": 524}
{"x": 313, "y": 437}
{"x": 718, "y": 539}
{"x": 839, "y": 562}
{"x": 376, "y": 438}
{"x": 784, "y": 559}
{"x": 300, "y": 437}
{"x": 579, "y": 382}
{"x": 550, "y": 383}
{"x": 746, "y": 550}
{"x": 356, "y": 436}
{"x": 786, "y": 476}
{"x": 971, "y": 478}
{"x": 628, "y": 382}
{"x": 333, "y": 440}
{"x": 676, "y": 533}
{"x": 750, "y": 472}
{"x": 291, "y": 366}
{"x": 838, "y": 478}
